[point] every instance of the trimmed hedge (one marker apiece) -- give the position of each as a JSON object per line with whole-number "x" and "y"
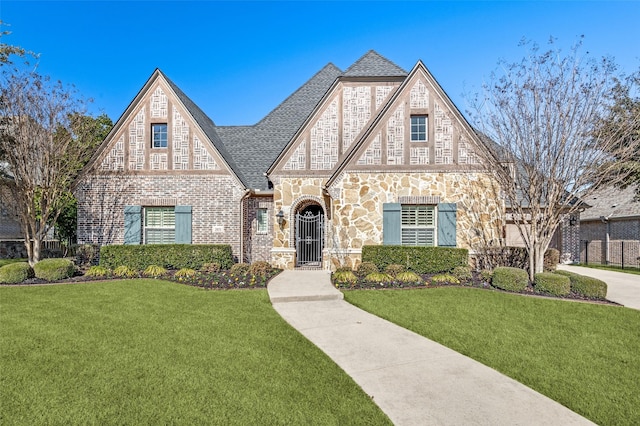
{"x": 421, "y": 260}
{"x": 170, "y": 256}
{"x": 586, "y": 286}
{"x": 54, "y": 269}
{"x": 510, "y": 279}
{"x": 15, "y": 273}
{"x": 550, "y": 283}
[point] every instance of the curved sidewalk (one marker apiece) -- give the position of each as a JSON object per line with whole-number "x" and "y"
{"x": 414, "y": 380}
{"x": 622, "y": 288}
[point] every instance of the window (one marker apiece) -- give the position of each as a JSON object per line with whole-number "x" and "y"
{"x": 418, "y": 225}
{"x": 261, "y": 218}
{"x": 158, "y": 135}
{"x": 418, "y": 128}
{"x": 159, "y": 225}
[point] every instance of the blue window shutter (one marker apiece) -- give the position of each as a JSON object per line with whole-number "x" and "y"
{"x": 391, "y": 221}
{"x": 132, "y": 224}
{"x": 183, "y": 224}
{"x": 447, "y": 224}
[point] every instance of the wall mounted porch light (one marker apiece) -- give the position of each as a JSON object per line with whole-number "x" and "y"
{"x": 280, "y": 218}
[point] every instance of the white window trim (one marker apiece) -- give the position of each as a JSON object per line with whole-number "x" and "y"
{"x": 266, "y": 221}
{"x": 426, "y": 129}
{"x": 433, "y": 226}
{"x": 153, "y": 141}
{"x": 146, "y": 228}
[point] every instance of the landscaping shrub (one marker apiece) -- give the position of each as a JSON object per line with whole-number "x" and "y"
{"x": 345, "y": 277}
{"x": 421, "y": 260}
{"x": 154, "y": 271}
{"x": 409, "y": 277}
{"x": 170, "y": 256}
{"x": 260, "y": 268}
{"x": 97, "y": 271}
{"x": 393, "y": 269}
{"x": 123, "y": 271}
{"x": 462, "y": 273}
{"x": 378, "y": 277}
{"x": 367, "y": 268}
{"x": 510, "y": 279}
{"x": 444, "y": 279}
{"x": 54, "y": 269}
{"x": 344, "y": 269}
{"x": 211, "y": 267}
{"x": 185, "y": 273}
{"x": 554, "y": 284}
{"x": 486, "y": 275}
{"x": 586, "y": 286}
{"x": 551, "y": 260}
{"x": 240, "y": 269}
{"x": 87, "y": 254}
{"x": 15, "y": 273}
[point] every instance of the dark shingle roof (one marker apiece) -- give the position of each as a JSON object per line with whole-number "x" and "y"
{"x": 372, "y": 64}
{"x": 612, "y": 203}
{"x": 254, "y": 148}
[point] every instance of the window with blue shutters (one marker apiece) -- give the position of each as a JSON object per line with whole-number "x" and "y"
{"x": 419, "y": 224}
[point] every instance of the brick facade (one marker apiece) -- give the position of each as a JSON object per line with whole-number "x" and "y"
{"x": 257, "y": 245}
{"x": 215, "y": 202}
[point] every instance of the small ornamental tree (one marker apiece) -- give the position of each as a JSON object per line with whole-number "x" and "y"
{"x": 45, "y": 139}
{"x": 540, "y": 117}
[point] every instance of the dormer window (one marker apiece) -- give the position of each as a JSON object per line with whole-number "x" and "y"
{"x": 159, "y": 135}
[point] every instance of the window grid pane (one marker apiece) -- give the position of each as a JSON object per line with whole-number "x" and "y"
{"x": 159, "y": 135}
{"x": 418, "y": 128}
{"x": 261, "y": 217}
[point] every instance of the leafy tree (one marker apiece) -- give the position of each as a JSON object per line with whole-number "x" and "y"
{"x": 65, "y": 226}
{"x": 541, "y": 115}
{"x": 45, "y": 139}
{"x": 625, "y": 108}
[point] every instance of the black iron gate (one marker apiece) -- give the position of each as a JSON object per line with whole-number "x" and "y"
{"x": 309, "y": 238}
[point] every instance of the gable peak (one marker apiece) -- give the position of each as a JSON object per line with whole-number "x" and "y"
{"x": 372, "y": 64}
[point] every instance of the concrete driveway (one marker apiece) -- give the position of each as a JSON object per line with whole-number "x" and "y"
{"x": 622, "y": 288}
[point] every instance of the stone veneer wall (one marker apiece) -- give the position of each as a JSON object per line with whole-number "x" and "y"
{"x": 215, "y": 201}
{"x": 288, "y": 194}
{"x": 257, "y": 246}
{"x": 356, "y": 205}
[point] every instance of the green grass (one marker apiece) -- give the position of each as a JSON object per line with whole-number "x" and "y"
{"x": 627, "y": 270}
{"x": 585, "y": 356}
{"x": 8, "y": 261}
{"x": 154, "y": 352}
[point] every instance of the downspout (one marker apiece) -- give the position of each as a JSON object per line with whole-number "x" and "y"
{"x": 247, "y": 192}
{"x": 607, "y": 236}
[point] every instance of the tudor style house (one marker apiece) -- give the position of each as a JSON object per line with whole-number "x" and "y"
{"x": 371, "y": 155}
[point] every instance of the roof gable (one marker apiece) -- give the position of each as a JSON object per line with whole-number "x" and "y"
{"x": 386, "y": 141}
{"x": 372, "y": 64}
{"x": 193, "y": 144}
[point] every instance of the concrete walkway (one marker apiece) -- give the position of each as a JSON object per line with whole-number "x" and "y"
{"x": 414, "y": 380}
{"x": 622, "y": 288}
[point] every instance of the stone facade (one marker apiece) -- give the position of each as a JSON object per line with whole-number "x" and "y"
{"x": 354, "y": 209}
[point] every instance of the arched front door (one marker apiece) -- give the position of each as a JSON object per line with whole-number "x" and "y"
{"x": 309, "y": 236}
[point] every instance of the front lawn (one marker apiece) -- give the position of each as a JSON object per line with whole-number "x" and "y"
{"x": 585, "y": 356}
{"x": 153, "y": 352}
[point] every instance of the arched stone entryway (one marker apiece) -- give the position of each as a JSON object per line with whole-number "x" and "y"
{"x": 309, "y": 227}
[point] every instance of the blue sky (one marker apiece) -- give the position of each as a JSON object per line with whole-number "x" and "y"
{"x": 239, "y": 60}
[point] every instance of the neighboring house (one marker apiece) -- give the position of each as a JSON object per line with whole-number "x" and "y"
{"x": 371, "y": 155}
{"x": 610, "y": 229}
